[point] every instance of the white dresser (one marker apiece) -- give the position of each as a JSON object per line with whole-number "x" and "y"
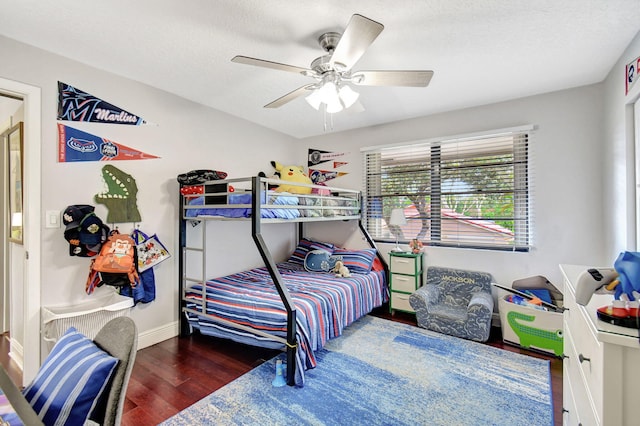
{"x": 601, "y": 377}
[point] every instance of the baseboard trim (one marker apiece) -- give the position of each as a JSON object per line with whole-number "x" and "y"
{"x": 159, "y": 334}
{"x": 16, "y": 353}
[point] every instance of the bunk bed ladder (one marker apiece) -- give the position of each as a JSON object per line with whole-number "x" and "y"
{"x": 283, "y": 291}
{"x": 185, "y": 327}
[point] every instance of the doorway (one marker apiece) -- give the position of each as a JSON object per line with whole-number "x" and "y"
{"x": 11, "y": 111}
{"x": 23, "y": 271}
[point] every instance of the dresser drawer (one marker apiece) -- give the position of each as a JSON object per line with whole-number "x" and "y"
{"x": 586, "y": 345}
{"x": 570, "y": 415}
{"x": 405, "y": 265}
{"x": 405, "y": 283}
{"x": 604, "y": 385}
{"x": 400, "y": 301}
{"x": 580, "y": 388}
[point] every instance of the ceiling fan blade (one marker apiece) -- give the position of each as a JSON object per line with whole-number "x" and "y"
{"x": 300, "y": 91}
{"x": 269, "y": 64}
{"x": 357, "y": 37}
{"x": 356, "y": 108}
{"x": 392, "y": 78}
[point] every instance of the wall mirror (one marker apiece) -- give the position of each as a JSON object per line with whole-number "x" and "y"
{"x": 13, "y": 141}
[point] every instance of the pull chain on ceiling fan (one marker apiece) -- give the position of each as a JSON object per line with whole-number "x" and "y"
{"x": 332, "y": 71}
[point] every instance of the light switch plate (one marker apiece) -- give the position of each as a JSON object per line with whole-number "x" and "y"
{"x": 52, "y": 219}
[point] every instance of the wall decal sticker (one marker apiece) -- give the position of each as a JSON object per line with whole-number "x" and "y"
{"x": 76, "y": 145}
{"x": 120, "y": 196}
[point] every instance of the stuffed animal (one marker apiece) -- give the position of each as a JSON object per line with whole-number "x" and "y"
{"x": 292, "y": 174}
{"x": 416, "y": 246}
{"x": 340, "y": 270}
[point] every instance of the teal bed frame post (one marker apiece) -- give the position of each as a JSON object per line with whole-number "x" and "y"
{"x": 283, "y": 291}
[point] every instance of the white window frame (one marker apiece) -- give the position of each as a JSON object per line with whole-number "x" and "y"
{"x": 376, "y": 205}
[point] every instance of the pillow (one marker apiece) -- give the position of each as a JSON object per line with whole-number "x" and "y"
{"x": 70, "y": 381}
{"x": 319, "y": 261}
{"x": 358, "y": 261}
{"x": 305, "y": 246}
{"x": 377, "y": 265}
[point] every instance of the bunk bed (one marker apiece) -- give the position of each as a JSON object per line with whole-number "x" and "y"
{"x": 284, "y": 305}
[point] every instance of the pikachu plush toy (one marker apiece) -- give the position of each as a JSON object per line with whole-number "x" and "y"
{"x": 294, "y": 174}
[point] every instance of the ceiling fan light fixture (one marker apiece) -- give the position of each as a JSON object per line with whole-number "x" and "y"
{"x": 334, "y": 69}
{"x": 334, "y": 106}
{"x": 314, "y": 99}
{"x": 328, "y": 92}
{"x": 348, "y": 96}
{"x": 334, "y": 94}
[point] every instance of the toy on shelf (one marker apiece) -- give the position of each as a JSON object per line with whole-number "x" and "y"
{"x": 416, "y": 246}
{"x": 622, "y": 281}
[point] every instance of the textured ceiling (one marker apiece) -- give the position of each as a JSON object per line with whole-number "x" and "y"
{"x": 481, "y": 51}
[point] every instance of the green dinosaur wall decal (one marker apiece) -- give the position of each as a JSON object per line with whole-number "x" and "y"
{"x": 120, "y": 198}
{"x": 531, "y": 336}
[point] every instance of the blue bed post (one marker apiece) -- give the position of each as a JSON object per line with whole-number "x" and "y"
{"x": 283, "y": 291}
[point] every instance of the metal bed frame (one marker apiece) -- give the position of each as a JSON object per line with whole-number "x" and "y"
{"x": 259, "y": 185}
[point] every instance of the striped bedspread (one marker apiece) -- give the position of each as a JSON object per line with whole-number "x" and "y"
{"x": 325, "y": 305}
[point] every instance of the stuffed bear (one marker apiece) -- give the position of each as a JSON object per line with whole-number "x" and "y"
{"x": 340, "y": 270}
{"x": 292, "y": 174}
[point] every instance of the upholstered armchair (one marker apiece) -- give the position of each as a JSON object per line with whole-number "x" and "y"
{"x": 455, "y": 302}
{"x": 81, "y": 381}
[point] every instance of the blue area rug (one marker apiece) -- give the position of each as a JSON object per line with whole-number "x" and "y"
{"x": 382, "y": 372}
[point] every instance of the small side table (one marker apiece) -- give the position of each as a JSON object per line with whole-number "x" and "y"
{"x": 405, "y": 276}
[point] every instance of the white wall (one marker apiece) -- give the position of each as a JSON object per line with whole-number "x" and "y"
{"x": 619, "y": 222}
{"x": 566, "y": 151}
{"x": 187, "y": 136}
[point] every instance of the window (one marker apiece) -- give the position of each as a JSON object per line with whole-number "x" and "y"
{"x": 465, "y": 192}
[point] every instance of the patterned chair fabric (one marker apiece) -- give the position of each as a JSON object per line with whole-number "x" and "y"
{"x": 455, "y": 302}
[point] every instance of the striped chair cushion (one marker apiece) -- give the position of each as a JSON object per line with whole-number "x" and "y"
{"x": 358, "y": 261}
{"x": 70, "y": 380}
{"x": 305, "y": 246}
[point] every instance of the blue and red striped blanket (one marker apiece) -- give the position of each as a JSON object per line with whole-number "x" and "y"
{"x": 325, "y": 305}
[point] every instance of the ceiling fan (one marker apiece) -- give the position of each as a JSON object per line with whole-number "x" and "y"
{"x": 333, "y": 71}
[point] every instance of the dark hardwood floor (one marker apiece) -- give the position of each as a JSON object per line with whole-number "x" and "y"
{"x": 9, "y": 365}
{"x": 171, "y": 375}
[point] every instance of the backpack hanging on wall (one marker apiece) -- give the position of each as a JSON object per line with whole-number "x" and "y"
{"x": 146, "y": 291}
{"x": 115, "y": 265}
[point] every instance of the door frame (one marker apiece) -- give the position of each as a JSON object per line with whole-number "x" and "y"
{"x": 32, "y": 98}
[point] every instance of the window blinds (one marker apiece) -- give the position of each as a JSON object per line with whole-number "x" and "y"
{"x": 465, "y": 192}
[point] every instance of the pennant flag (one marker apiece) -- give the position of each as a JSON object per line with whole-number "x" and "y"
{"x": 76, "y": 145}
{"x": 631, "y": 74}
{"x": 337, "y": 164}
{"x": 76, "y": 105}
{"x": 317, "y": 156}
{"x": 320, "y": 176}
